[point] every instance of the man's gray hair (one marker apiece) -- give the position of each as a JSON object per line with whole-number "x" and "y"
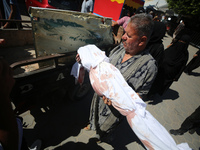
{"x": 143, "y": 24}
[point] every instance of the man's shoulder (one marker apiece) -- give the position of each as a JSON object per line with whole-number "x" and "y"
{"x": 148, "y": 58}
{"x": 146, "y": 54}
{"x": 116, "y": 49}
{"x": 120, "y": 46}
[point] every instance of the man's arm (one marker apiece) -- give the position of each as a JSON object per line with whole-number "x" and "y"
{"x": 149, "y": 78}
{"x": 114, "y": 23}
{"x": 8, "y": 124}
{"x": 144, "y": 83}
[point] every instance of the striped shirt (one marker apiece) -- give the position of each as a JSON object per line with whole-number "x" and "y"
{"x": 141, "y": 74}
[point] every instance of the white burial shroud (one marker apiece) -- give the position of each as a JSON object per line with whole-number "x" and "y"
{"x": 107, "y": 80}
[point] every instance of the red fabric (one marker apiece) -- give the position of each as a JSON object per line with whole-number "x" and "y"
{"x": 81, "y": 75}
{"x": 107, "y": 8}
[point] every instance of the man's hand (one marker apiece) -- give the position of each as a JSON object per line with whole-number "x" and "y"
{"x": 78, "y": 59}
{"x": 7, "y": 25}
{"x": 114, "y": 23}
{"x": 107, "y": 101}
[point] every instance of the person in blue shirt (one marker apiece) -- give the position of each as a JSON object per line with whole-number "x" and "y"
{"x": 11, "y": 11}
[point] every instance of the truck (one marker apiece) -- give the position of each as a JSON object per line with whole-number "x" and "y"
{"x": 57, "y": 35}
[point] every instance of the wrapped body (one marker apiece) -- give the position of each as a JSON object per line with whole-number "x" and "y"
{"x": 107, "y": 81}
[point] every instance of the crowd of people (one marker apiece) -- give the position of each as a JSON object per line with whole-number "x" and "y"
{"x": 146, "y": 66}
{"x": 166, "y": 67}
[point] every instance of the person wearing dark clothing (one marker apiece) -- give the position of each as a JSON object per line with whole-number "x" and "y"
{"x": 155, "y": 44}
{"x": 9, "y": 134}
{"x": 140, "y": 10}
{"x": 190, "y": 123}
{"x": 194, "y": 63}
{"x": 180, "y": 27}
{"x": 174, "y": 62}
{"x": 2, "y": 15}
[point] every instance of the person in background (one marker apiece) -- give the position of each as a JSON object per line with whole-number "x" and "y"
{"x": 155, "y": 44}
{"x": 119, "y": 27}
{"x": 156, "y": 47}
{"x": 151, "y": 13}
{"x": 87, "y": 6}
{"x": 138, "y": 68}
{"x": 2, "y": 15}
{"x": 193, "y": 64}
{"x": 140, "y": 10}
{"x": 178, "y": 29}
{"x": 156, "y": 18}
{"x": 11, "y": 129}
{"x": 174, "y": 62}
{"x": 9, "y": 136}
{"x": 122, "y": 24}
{"x": 123, "y": 21}
{"x": 11, "y": 11}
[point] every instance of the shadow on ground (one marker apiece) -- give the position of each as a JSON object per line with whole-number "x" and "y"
{"x": 124, "y": 136}
{"x": 59, "y": 122}
{"x": 57, "y": 119}
{"x": 15, "y": 54}
{"x": 168, "y": 95}
{"x": 91, "y": 145}
{"x": 196, "y": 74}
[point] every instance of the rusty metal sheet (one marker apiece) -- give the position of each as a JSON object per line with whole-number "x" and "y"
{"x": 62, "y": 31}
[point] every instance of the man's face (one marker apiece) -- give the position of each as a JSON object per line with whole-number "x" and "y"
{"x": 130, "y": 39}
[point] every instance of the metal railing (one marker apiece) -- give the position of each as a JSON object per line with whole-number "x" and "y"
{"x": 195, "y": 37}
{"x": 17, "y": 22}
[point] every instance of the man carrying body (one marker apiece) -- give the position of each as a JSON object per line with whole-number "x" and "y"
{"x": 137, "y": 67}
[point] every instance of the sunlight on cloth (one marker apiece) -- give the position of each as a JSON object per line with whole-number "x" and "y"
{"x": 107, "y": 81}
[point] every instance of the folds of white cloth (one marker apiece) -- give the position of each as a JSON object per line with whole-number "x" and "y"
{"x": 107, "y": 81}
